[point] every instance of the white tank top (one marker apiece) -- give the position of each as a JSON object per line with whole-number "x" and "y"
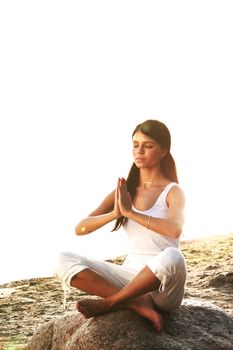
{"x": 145, "y": 243}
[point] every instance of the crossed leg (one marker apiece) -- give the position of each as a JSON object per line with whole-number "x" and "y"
{"x": 135, "y": 295}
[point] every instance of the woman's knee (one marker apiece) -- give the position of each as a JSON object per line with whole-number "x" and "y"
{"x": 173, "y": 258}
{"x": 63, "y": 258}
{"x": 170, "y": 260}
{"x": 60, "y": 263}
{"x": 173, "y": 255}
{"x": 64, "y": 263}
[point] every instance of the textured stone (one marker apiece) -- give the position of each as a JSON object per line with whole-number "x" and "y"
{"x": 195, "y": 325}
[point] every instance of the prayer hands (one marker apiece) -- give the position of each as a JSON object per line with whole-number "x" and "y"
{"x": 123, "y": 200}
{"x": 116, "y": 209}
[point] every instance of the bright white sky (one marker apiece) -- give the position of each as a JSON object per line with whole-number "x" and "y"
{"x": 75, "y": 79}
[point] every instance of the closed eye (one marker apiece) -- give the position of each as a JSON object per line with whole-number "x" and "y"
{"x": 146, "y": 145}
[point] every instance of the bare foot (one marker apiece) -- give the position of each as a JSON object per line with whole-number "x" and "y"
{"x": 93, "y": 307}
{"x": 144, "y": 306}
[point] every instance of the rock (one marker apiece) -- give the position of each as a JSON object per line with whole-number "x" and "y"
{"x": 221, "y": 280}
{"x": 195, "y": 325}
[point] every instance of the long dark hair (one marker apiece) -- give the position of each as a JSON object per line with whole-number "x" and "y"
{"x": 160, "y": 133}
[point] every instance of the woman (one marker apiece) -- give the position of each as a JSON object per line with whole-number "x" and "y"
{"x": 150, "y": 206}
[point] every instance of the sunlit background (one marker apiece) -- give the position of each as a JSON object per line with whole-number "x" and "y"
{"x": 76, "y": 78}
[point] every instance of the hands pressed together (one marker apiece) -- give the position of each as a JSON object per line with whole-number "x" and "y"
{"x": 123, "y": 200}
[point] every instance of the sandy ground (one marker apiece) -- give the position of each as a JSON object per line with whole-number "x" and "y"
{"x": 27, "y": 304}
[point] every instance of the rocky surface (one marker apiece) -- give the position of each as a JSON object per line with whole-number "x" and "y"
{"x": 26, "y": 305}
{"x": 195, "y": 325}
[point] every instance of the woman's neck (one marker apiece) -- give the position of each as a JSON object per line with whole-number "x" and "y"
{"x": 151, "y": 178}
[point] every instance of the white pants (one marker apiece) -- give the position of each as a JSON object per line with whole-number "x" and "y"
{"x": 168, "y": 266}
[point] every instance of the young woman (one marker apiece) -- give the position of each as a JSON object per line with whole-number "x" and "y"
{"x": 150, "y": 207}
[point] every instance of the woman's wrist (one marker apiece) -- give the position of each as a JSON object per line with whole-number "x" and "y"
{"x": 128, "y": 214}
{"x": 114, "y": 215}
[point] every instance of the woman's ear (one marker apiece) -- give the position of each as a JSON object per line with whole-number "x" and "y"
{"x": 164, "y": 152}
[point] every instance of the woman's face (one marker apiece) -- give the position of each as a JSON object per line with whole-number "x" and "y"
{"x": 147, "y": 152}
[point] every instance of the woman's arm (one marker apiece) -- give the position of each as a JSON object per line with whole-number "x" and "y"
{"x": 101, "y": 216}
{"x": 172, "y": 226}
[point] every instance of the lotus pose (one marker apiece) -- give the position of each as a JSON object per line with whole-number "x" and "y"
{"x": 150, "y": 207}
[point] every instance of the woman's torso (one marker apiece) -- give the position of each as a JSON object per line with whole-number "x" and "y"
{"x": 144, "y": 243}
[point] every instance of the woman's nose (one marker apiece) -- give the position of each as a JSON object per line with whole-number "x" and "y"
{"x": 140, "y": 150}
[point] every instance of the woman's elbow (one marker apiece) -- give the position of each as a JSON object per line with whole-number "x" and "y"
{"x": 77, "y": 230}
{"x": 81, "y": 230}
{"x": 177, "y": 231}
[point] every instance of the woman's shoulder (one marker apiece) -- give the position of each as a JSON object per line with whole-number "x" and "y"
{"x": 175, "y": 192}
{"x": 172, "y": 186}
